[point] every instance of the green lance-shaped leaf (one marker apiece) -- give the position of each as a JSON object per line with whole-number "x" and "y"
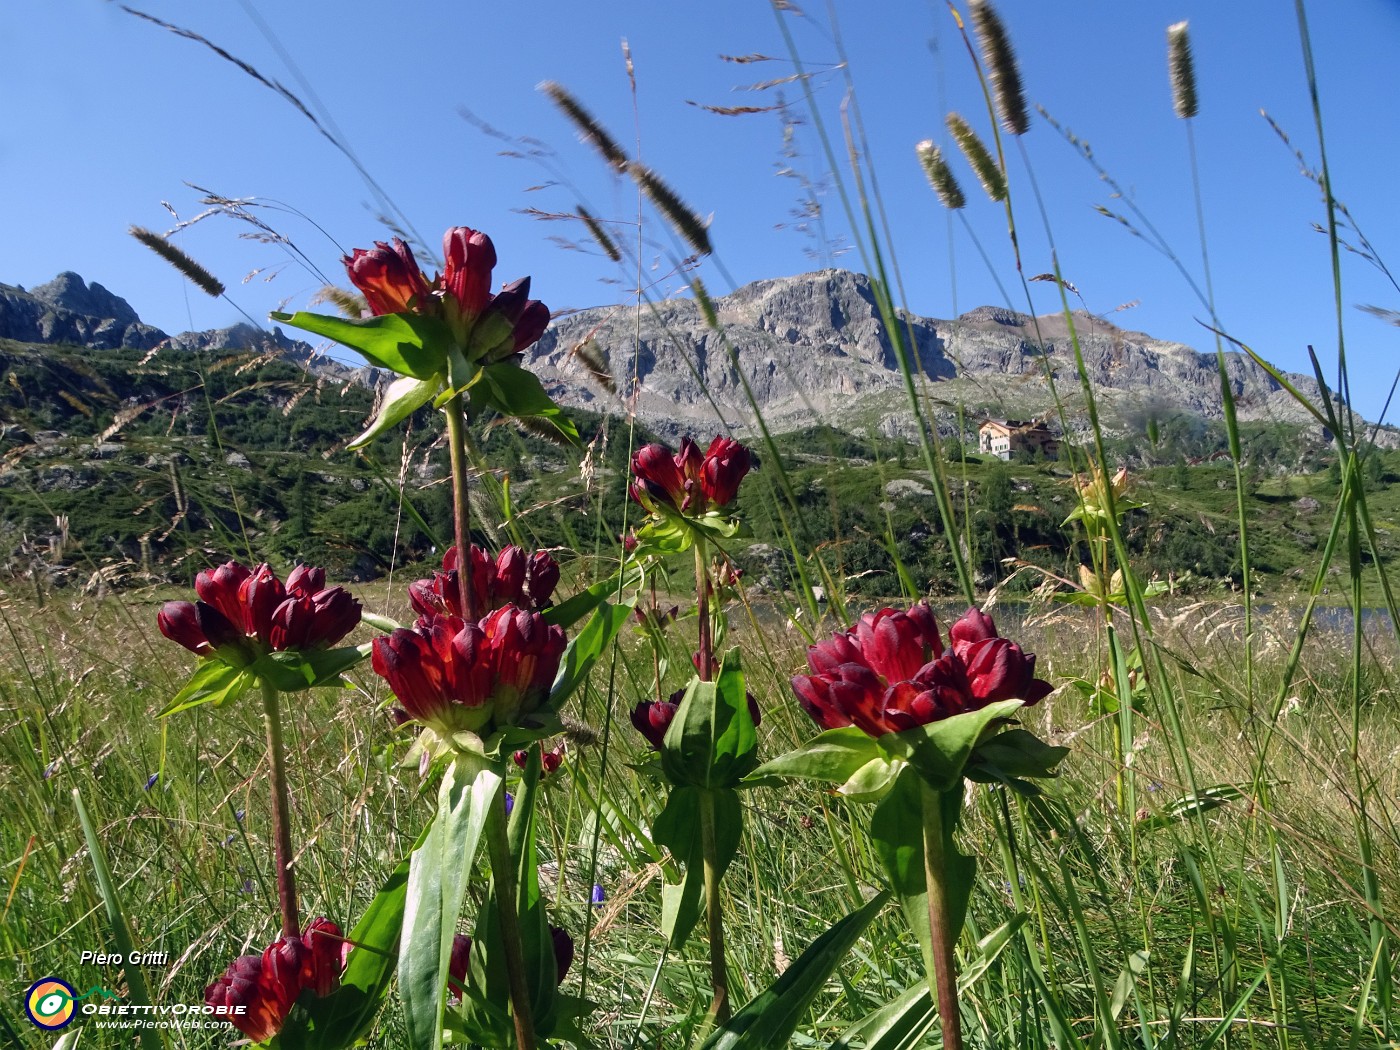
{"x": 678, "y": 828}
{"x": 940, "y": 750}
{"x": 409, "y": 344}
{"x": 769, "y": 1020}
{"x": 897, "y": 832}
{"x": 482, "y": 1017}
{"x": 137, "y": 992}
{"x": 847, "y": 757}
{"x": 213, "y": 682}
{"x": 404, "y": 397}
{"x": 712, "y": 741}
{"x": 1011, "y": 757}
{"x": 515, "y": 391}
{"x": 569, "y": 612}
{"x": 437, "y": 881}
{"x": 293, "y": 670}
{"x": 589, "y": 644}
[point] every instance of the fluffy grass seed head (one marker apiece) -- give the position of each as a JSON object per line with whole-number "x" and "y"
{"x": 202, "y": 278}
{"x": 1182, "y": 69}
{"x": 988, "y": 173}
{"x": 599, "y": 235}
{"x": 940, "y": 176}
{"x": 1000, "y": 60}
{"x": 588, "y": 127}
{"x": 688, "y": 224}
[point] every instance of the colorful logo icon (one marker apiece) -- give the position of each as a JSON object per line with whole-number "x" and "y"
{"x": 49, "y": 1003}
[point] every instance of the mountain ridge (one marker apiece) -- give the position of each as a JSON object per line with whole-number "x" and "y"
{"x": 809, "y": 348}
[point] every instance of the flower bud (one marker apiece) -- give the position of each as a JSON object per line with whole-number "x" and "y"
{"x": 179, "y": 622}
{"x": 304, "y": 581}
{"x": 725, "y": 465}
{"x": 652, "y": 718}
{"x": 260, "y": 595}
{"x": 220, "y": 588}
{"x": 389, "y": 278}
{"x": 563, "y": 950}
{"x": 466, "y": 277}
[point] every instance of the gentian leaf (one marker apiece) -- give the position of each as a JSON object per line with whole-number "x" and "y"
{"x": 678, "y": 828}
{"x": 214, "y": 682}
{"x": 832, "y": 757}
{"x": 407, "y": 343}
{"x": 768, "y": 1021}
{"x": 583, "y": 652}
{"x": 897, "y": 831}
{"x": 404, "y": 397}
{"x": 437, "y": 880}
{"x": 514, "y": 391}
{"x": 712, "y": 741}
{"x": 939, "y": 750}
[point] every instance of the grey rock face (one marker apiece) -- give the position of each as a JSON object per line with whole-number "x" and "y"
{"x": 66, "y": 310}
{"x": 71, "y": 311}
{"x": 814, "y": 348}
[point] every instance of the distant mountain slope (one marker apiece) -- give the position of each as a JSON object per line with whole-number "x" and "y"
{"x": 811, "y": 349}
{"x": 70, "y": 312}
{"x": 814, "y": 347}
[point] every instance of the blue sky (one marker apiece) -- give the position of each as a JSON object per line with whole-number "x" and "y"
{"x": 107, "y": 116}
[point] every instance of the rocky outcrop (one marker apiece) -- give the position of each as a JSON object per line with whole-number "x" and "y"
{"x": 814, "y": 348}
{"x": 805, "y": 349}
{"x": 70, "y": 311}
{"x": 67, "y": 310}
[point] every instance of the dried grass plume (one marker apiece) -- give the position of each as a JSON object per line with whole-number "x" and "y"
{"x": 1000, "y": 60}
{"x": 202, "y": 278}
{"x": 988, "y": 173}
{"x": 940, "y": 176}
{"x": 1183, "y": 70}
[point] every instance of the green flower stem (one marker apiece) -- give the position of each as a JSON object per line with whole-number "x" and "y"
{"x": 507, "y": 901}
{"x": 702, "y": 611}
{"x": 456, "y": 410}
{"x": 281, "y": 812}
{"x": 944, "y": 978}
{"x": 714, "y": 919}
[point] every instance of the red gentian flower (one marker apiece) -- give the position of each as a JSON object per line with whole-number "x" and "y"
{"x": 892, "y": 672}
{"x": 389, "y": 278}
{"x": 549, "y": 760}
{"x": 653, "y": 717}
{"x": 725, "y": 465}
{"x": 466, "y": 277}
{"x": 689, "y": 481}
{"x": 489, "y": 327}
{"x": 242, "y": 612}
{"x": 514, "y": 578}
{"x": 454, "y": 675}
{"x": 267, "y": 985}
{"x": 458, "y": 962}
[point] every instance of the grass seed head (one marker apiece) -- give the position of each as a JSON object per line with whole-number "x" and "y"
{"x": 1182, "y": 69}
{"x": 587, "y": 125}
{"x": 1000, "y": 59}
{"x": 688, "y": 224}
{"x": 988, "y": 173}
{"x": 940, "y": 176}
{"x": 202, "y": 278}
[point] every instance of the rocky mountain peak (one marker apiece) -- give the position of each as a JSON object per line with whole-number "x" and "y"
{"x": 68, "y": 291}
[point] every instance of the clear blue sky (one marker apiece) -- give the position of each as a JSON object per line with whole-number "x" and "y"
{"x": 106, "y": 116}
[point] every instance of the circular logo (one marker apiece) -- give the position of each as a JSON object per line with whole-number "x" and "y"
{"x": 49, "y": 1003}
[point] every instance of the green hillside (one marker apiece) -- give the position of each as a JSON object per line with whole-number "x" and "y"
{"x": 144, "y": 468}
